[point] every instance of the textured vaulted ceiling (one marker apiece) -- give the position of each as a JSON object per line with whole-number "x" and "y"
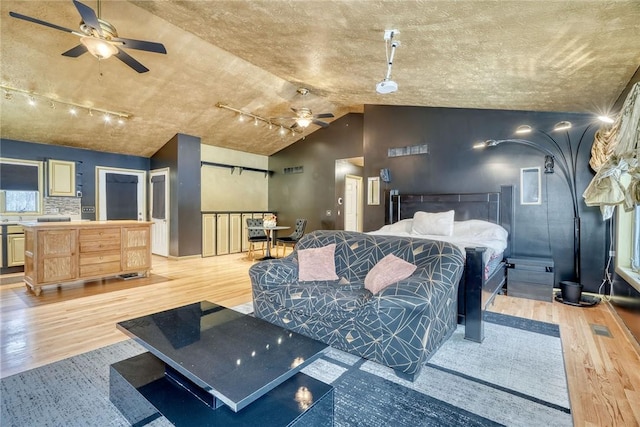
{"x": 253, "y": 55}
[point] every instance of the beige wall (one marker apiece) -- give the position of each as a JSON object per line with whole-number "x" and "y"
{"x": 223, "y": 191}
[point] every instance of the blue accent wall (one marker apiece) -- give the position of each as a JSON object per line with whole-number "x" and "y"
{"x": 86, "y": 162}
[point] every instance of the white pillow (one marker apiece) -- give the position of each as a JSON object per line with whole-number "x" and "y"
{"x": 480, "y": 229}
{"x": 403, "y": 226}
{"x": 440, "y": 223}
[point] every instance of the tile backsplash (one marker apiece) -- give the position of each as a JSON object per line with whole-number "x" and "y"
{"x": 64, "y": 206}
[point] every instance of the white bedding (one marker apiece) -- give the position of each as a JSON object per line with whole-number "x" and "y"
{"x": 472, "y": 233}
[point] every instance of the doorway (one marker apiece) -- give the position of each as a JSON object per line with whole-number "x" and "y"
{"x": 121, "y": 194}
{"x": 159, "y": 211}
{"x": 353, "y": 203}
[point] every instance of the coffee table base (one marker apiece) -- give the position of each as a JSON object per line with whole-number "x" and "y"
{"x": 142, "y": 392}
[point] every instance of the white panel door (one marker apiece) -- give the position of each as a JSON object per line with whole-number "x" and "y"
{"x": 159, "y": 184}
{"x": 352, "y": 210}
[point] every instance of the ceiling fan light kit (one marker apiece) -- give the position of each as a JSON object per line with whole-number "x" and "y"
{"x": 99, "y": 48}
{"x": 387, "y": 85}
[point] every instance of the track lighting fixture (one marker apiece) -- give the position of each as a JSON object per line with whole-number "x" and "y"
{"x": 243, "y": 115}
{"x": 33, "y": 98}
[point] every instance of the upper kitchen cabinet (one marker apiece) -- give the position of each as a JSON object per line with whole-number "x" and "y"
{"x": 62, "y": 178}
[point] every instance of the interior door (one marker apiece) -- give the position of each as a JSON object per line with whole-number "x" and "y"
{"x": 159, "y": 200}
{"x": 352, "y": 203}
{"x": 121, "y": 193}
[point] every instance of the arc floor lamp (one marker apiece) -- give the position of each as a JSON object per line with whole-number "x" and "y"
{"x": 562, "y": 155}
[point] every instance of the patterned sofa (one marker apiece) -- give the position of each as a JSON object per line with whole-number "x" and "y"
{"x": 401, "y": 326}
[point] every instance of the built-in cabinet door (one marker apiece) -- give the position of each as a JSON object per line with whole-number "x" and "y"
{"x": 57, "y": 257}
{"x": 208, "y": 235}
{"x": 245, "y": 232}
{"x": 235, "y": 233}
{"x": 15, "y": 250}
{"x": 62, "y": 178}
{"x": 136, "y": 248}
{"x": 222, "y": 234}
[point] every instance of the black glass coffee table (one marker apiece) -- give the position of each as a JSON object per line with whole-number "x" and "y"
{"x": 210, "y": 364}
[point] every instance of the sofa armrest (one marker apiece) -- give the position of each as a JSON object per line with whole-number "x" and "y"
{"x": 274, "y": 272}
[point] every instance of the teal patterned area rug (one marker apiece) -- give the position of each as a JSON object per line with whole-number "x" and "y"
{"x": 515, "y": 377}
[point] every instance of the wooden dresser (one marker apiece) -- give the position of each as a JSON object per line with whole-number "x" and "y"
{"x": 60, "y": 252}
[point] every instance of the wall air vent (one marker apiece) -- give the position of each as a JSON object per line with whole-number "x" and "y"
{"x": 294, "y": 169}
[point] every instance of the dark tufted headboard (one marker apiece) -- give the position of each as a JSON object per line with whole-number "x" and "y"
{"x": 496, "y": 207}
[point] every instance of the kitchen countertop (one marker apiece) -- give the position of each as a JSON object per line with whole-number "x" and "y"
{"x": 84, "y": 224}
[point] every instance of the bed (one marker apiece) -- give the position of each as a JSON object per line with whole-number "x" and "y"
{"x": 485, "y": 266}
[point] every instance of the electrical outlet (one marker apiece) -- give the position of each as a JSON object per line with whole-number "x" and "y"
{"x": 612, "y": 253}
{"x": 327, "y": 212}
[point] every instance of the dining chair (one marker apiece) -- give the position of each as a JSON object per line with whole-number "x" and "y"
{"x": 255, "y": 235}
{"x": 292, "y": 239}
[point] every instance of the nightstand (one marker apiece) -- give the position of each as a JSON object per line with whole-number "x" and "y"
{"x": 530, "y": 277}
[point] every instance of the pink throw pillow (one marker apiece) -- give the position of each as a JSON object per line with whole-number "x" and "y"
{"x": 317, "y": 264}
{"x": 388, "y": 270}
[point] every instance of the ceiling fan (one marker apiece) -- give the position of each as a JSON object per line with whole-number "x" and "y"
{"x": 304, "y": 117}
{"x": 100, "y": 38}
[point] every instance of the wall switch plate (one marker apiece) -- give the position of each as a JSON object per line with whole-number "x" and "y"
{"x": 612, "y": 253}
{"x": 88, "y": 209}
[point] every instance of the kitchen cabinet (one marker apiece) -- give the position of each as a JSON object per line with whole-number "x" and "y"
{"x": 62, "y": 178}
{"x": 57, "y": 253}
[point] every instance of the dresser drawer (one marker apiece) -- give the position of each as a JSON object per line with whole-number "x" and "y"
{"x": 104, "y": 269}
{"x": 99, "y": 257}
{"x": 541, "y": 277}
{"x": 530, "y": 291}
{"x": 99, "y": 239}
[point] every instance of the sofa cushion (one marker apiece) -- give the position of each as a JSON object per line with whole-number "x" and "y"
{"x": 322, "y": 298}
{"x": 388, "y": 270}
{"x": 317, "y": 264}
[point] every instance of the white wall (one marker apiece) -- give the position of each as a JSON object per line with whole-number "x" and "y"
{"x": 223, "y": 191}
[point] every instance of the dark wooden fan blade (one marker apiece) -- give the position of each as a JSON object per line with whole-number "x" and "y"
{"x": 74, "y": 52}
{"x": 323, "y": 115}
{"x": 319, "y": 123}
{"x": 37, "y": 21}
{"x": 127, "y": 59}
{"x": 294, "y": 125}
{"x": 88, "y": 16}
{"x": 141, "y": 45}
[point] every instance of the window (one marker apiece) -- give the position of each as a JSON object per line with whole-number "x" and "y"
{"x": 628, "y": 245}
{"x": 20, "y": 186}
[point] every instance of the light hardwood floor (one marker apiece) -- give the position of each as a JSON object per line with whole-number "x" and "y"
{"x": 603, "y": 373}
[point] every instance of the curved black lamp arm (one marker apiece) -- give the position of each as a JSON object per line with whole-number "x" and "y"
{"x": 562, "y": 163}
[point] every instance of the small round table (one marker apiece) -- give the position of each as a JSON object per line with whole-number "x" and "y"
{"x": 268, "y": 231}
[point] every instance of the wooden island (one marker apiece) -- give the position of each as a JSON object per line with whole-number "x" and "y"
{"x": 62, "y": 252}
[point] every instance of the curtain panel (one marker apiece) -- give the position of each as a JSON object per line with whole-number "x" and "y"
{"x": 615, "y": 157}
